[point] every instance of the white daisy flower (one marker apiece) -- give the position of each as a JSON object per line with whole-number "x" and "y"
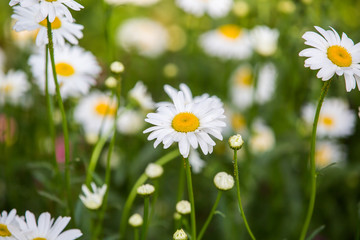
{"x": 215, "y": 8}
{"x": 328, "y": 152}
{"x": 93, "y": 199}
{"x": 332, "y": 54}
{"x": 147, "y": 37}
{"x": 242, "y": 89}
{"x": 96, "y": 112}
{"x": 8, "y": 225}
{"x": 262, "y": 138}
{"x": 227, "y": 42}
{"x": 264, "y": 40}
{"x": 76, "y": 71}
{"x": 140, "y": 94}
{"x": 143, "y": 3}
{"x": 45, "y": 228}
{"x": 54, "y": 8}
{"x": 129, "y": 121}
{"x": 62, "y": 28}
{"x": 13, "y": 87}
{"x": 189, "y": 124}
{"x": 335, "y": 119}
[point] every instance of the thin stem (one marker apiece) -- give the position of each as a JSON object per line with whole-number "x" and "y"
{"x": 99, "y": 226}
{"x": 211, "y": 214}
{"x": 64, "y": 121}
{"x": 136, "y": 233}
{"x": 236, "y": 175}
{"x": 49, "y": 110}
{"x": 155, "y": 197}
{"x": 181, "y": 183}
{"x": 191, "y": 198}
{"x": 146, "y": 218}
{"x": 131, "y": 197}
{"x": 310, "y": 210}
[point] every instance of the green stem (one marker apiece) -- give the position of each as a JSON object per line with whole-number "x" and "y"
{"x": 181, "y": 183}
{"x": 191, "y": 198}
{"x": 146, "y": 218}
{"x": 310, "y": 210}
{"x": 64, "y": 122}
{"x": 206, "y": 224}
{"x": 131, "y": 197}
{"x": 136, "y": 234}
{"x": 49, "y": 111}
{"x": 236, "y": 175}
{"x": 155, "y": 197}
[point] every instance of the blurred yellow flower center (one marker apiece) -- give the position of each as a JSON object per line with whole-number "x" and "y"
{"x": 103, "y": 109}
{"x": 64, "y": 69}
{"x": 339, "y": 56}
{"x": 50, "y": 1}
{"x": 39, "y": 238}
{"x": 7, "y": 88}
{"x": 185, "y": 122}
{"x": 238, "y": 122}
{"x": 4, "y": 232}
{"x": 322, "y": 157}
{"x": 327, "y": 121}
{"x": 230, "y": 30}
{"x": 244, "y": 77}
{"x": 56, "y": 24}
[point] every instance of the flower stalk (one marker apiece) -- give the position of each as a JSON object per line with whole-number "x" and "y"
{"x": 64, "y": 121}
{"x": 191, "y": 198}
{"x": 236, "y": 176}
{"x": 146, "y": 217}
{"x": 313, "y": 173}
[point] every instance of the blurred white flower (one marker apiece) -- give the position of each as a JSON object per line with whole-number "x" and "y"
{"x": 154, "y": 170}
{"x": 147, "y": 37}
{"x": 190, "y": 124}
{"x": 76, "y": 70}
{"x": 13, "y": 87}
{"x": 215, "y": 8}
{"x": 333, "y": 55}
{"x": 117, "y": 67}
{"x": 62, "y": 28}
{"x": 227, "y": 42}
{"x": 96, "y": 112}
{"x": 196, "y": 163}
{"x": 136, "y": 220}
{"x": 335, "y": 119}
{"x": 183, "y": 207}
{"x": 243, "y": 92}
{"x": 93, "y": 199}
{"x": 262, "y": 138}
{"x": 264, "y": 40}
{"x": 140, "y": 94}
{"x": 236, "y": 142}
{"x": 145, "y": 190}
{"x": 180, "y": 235}
{"x": 265, "y": 86}
{"x": 23, "y": 3}
{"x": 328, "y": 152}
{"x": 130, "y": 121}
{"x": 143, "y": 3}
{"x": 241, "y": 8}
{"x": 52, "y": 8}
{"x": 46, "y": 228}
{"x": 8, "y": 225}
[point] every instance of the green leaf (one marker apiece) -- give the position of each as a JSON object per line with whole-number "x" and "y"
{"x": 220, "y": 213}
{"x": 315, "y": 232}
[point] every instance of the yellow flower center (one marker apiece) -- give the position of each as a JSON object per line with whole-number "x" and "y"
{"x": 230, "y": 31}
{"x": 51, "y": 0}
{"x": 64, "y": 69}
{"x": 238, "y": 122}
{"x": 4, "y": 231}
{"x": 7, "y": 88}
{"x": 322, "y": 157}
{"x": 339, "y": 56}
{"x": 104, "y": 109}
{"x": 185, "y": 122}
{"x": 244, "y": 77}
{"x": 39, "y": 238}
{"x": 56, "y": 24}
{"x": 327, "y": 121}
